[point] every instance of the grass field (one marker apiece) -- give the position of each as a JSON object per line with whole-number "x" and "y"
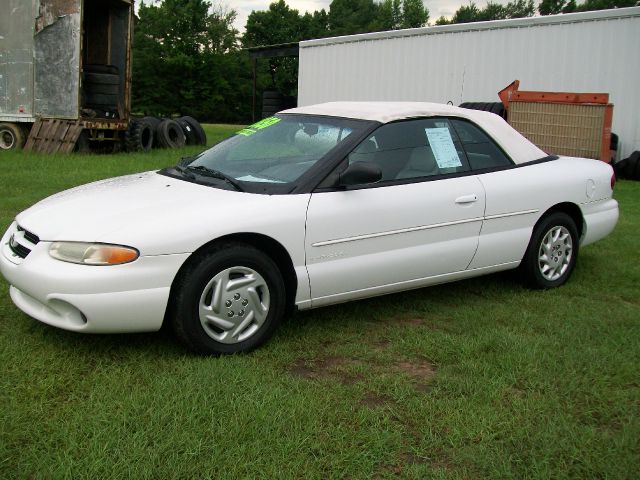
{"x": 477, "y": 379}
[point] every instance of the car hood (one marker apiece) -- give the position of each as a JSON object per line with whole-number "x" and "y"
{"x": 152, "y": 212}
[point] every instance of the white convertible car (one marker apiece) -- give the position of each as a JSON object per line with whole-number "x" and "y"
{"x": 315, "y": 206}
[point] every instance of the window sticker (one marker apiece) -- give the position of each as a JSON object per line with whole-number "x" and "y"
{"x": 262, "y": 124}
{"x": 443, "y": 148}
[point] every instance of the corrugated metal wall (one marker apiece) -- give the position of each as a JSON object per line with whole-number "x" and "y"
{"x": 583, "y": 52}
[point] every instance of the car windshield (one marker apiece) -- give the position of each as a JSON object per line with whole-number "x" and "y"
{"x": 276, "y": 150}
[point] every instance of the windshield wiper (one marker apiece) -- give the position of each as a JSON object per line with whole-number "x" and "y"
{"x": 184, "y": 172}
{"x": 210, "y": 172}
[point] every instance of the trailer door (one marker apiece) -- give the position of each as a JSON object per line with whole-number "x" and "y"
{"x": 16, "y": 60}
{"x": 57, "y": 58}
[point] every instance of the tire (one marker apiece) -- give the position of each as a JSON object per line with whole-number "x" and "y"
{"x": 12, "y": 137}
{"x": 272, "y": 103}
{"x": 200, "y": 135}
{"x": 248, "y": 314}
{"x": 189, "y": 133}
{"x": 109, "y": 69}
{"x": 82, "y": 144}
{"x": 139, "y": 137}
{"x": 498, "y": 109}
{"x": 560, "y": 260}
{"x": 153, "y": 122}
{"x": 101, "y": 78}
{"x": 272, "y": 95}
{"x": 614, "y": 142}
{"x": 101, "y": 99}
{"x": 91, "y": 88}
{"x": 169, "y": 134}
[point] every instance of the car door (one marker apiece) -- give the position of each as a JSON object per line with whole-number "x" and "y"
{"x": 421, "y": 220}
{"x": 513, "y": 197}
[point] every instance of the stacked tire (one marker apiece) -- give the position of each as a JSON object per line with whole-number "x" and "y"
{"x": 629, "y": 168}
{"x": 153, "y": 132}
{"x": 101, "y": 84}
{"x": 493, "y": 107}
{"x": 139, "y": 136}
{"x": 274, "y": 102}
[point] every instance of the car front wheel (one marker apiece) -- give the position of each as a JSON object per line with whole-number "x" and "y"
{"x": 228, "y": 300}
{"x": 552, "y": 252}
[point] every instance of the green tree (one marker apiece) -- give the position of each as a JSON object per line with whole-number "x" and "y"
{"x": 520, "y": 9}
{"x": 551, "y": 7}
{"x": 348, "y": 17}
{"x": 278, "y": 24}
{"x": 389, "y": 15}
{"x": 186, "y": 61}
{"x": 466, "y": 14}
{"x": 414, "y": 14}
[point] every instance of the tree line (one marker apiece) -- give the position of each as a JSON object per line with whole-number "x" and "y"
{"x": 188, "y": 58}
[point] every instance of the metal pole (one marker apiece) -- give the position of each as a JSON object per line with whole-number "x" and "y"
{"x": 253, "y": 105}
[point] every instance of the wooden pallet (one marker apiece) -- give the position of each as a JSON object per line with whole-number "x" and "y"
{"x": 53, "y": 136}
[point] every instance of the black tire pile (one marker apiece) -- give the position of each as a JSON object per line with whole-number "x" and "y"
{"x": 629, "y": 168}
{"x": 152, "y": 132}
{"x": 493, "y": 107}
{"x": 274, "y": 102}
{"x": 101, "y": 86}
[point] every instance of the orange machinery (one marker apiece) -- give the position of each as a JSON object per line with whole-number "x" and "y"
{"x": 562, "y": 123}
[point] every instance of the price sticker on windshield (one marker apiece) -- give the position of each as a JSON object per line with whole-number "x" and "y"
{"x": 256, "y": 127}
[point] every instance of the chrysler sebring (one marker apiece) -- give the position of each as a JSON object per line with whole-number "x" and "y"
{"x": 315, "y": 206}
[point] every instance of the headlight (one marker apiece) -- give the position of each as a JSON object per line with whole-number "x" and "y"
{"x": 92, "y": 253}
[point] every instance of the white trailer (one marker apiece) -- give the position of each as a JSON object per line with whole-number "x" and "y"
{"x": 578, "y": 52}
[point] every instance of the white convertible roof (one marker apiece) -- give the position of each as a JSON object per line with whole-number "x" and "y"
{"x": 514, "y": 144}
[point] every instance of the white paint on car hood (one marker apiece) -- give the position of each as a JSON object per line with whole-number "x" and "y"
{"x": 160, "y": 215}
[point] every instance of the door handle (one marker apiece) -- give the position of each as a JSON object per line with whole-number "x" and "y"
{"x": 467, "y": 199}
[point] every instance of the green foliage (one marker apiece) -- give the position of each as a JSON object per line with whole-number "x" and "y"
{"x": 390, "y": 15}
{"x": 347, "y": 17}
{"x": 552, "y": 7}
{"x": 414, "y": 14}
{"x": 186, "y": 61}
{"x": 492, "y": 11}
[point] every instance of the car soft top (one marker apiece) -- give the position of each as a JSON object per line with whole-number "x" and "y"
{"x": 520, "y": 149}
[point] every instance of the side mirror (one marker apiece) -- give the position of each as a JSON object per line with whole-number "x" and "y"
{"x": 360, "y": 173}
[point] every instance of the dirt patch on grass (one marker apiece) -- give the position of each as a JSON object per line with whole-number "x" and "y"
{"x": 328, "y": 367}
{"x": 420, "y": 371}
{"x": 373, "y": 400}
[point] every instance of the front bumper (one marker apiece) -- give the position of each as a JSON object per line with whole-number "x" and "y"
{"x": 93, "y": 299}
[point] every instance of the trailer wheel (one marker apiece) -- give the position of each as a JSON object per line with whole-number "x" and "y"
{"x": 139, "y": 137}
{"x": 170, "y": 134}
{"x": 12, "y": 136}
{"x": 200, "y": 135}
{"x": 82, "y": 144}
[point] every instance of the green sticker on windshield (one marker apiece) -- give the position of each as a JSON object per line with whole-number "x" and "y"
{"x": 262, "y": 124}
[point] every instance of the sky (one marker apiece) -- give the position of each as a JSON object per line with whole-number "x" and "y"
{"x": 436, "y": 8}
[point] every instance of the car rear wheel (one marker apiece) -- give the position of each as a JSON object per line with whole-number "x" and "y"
{"x": 228, "y": 300}
{"x": 552, "y": 252}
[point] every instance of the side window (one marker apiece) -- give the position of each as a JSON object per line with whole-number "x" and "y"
{"x": 413, "y": 149}
{"x": 481, "y": 150}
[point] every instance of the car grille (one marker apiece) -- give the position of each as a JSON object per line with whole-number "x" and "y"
{"x": 22, "y": 242}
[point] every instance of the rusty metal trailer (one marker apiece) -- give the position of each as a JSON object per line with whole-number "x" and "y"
{"x": 65, "y": 73}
